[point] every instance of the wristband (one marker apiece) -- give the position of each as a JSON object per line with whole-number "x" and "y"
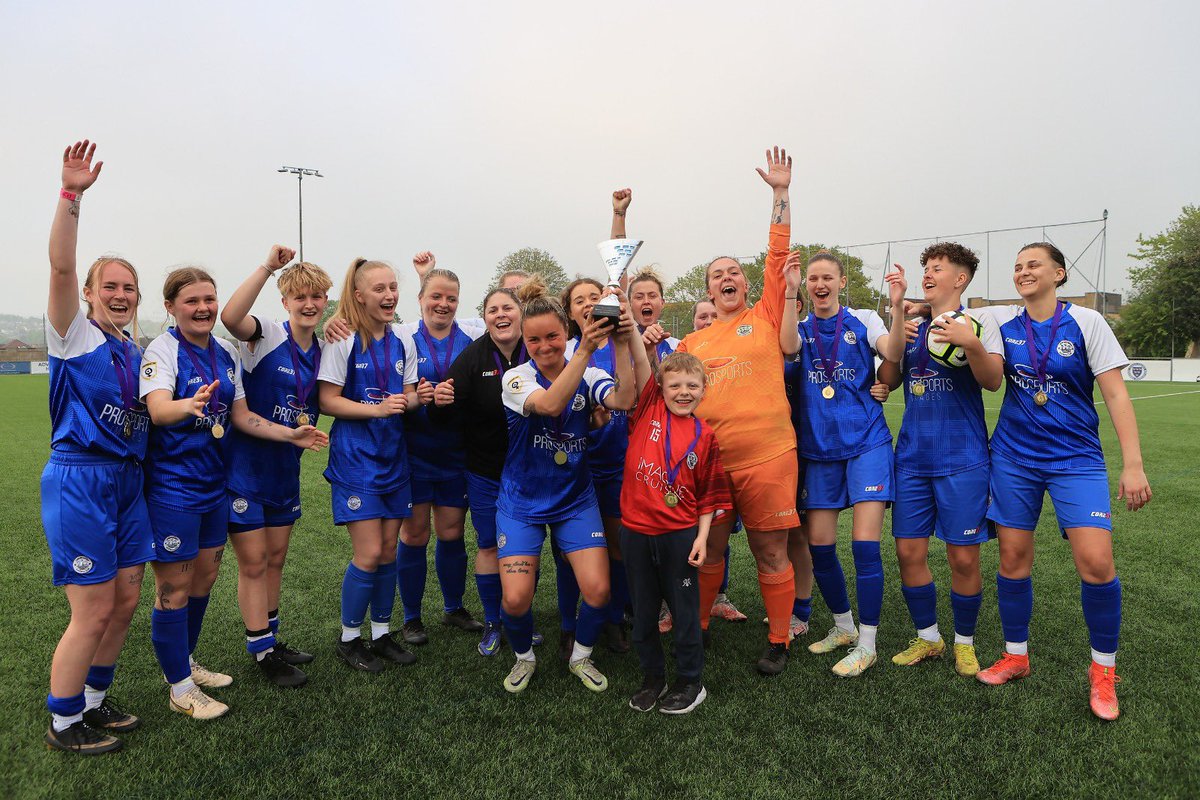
{"x": 791, "y": 297}
{"x": 72, "y": 196}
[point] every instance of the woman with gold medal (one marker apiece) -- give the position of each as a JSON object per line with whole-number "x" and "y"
{"x": 280, "y": 362}
{"x": 546, "y": 481}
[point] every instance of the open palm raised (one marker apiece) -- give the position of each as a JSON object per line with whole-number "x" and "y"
{"x": 78, "y": 173}
{"x": 779, "y": 169}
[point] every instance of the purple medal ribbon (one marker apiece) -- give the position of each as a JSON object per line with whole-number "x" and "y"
{"x": 439, "y": 371}
{"x": 211, "y": 405}
{"x": 521, "y": 358}
{"x": 1039, "y": 362}
{"x": 302, "y": 391}
{"x": 829, "y": 362}
{"x": 673, "y": 471}
{"x": 382, "y": 373}
{"x": 923, "y": 349}
{"x": 123, "y": 366}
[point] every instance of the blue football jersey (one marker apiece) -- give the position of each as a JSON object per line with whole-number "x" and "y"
{"x": 534, "y": 487}
{"x": 851, "y": 422}
{"x": 185, "y": 464}
{"x": 369, "y": 455}
{"x": 943, "y": 431}
{"x": 606, "y": 456}
{"x": 436, "y": 453}
{"x": 280, "y": 383}
{"x": 89, "y": 410}
{"x": 1065, "y": 432}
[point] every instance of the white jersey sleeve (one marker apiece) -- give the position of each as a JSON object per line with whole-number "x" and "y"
{"x": 990, "y": 335}
{"x": 473, "y": 327}
{"x": 239, "y": 391}
{"x": 1103, "y": 350}
{"x": 405, "y": 336}
{"x": 160, "y": 365}
{"x": 273, "y": 335}
{"x": 600, "y": 384}
{"x": 519, "y": 384}
{"x": 872, "y": 322}
{"x": 334, "y": 358}
{"x": 82, "y": 337}
{"x": 999, "y": 315}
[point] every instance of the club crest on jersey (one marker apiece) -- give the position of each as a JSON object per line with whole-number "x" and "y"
{"x": 82, "y": 565}
{"x": 578, "y": 403}
{"x": 399, "y": 366}
{"x": 745, "y": 330}
{"x": 171, "y": 543}
{"x": 1065, "y": 348}
{"x": 501, "y": 540}
{"x": 149, "y": 369}
{"x": 354, "y": 502}
{"x": 849, "y": 338}
{"x": 229, "y": 373}
{"x": 240, "y": 505}
{"x": 692, "y": 460}
{"x": 514, "y": 385}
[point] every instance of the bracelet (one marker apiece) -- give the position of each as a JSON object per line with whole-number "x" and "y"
{"x": 791, "y": 297}
{"x": 268, "y": 269}
{"x": 72, "y": 196}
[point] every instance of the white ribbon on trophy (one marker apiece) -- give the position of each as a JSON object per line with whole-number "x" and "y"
{"x": 617, "y": 253}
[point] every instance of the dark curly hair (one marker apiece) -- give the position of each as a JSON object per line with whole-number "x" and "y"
{"x": 953, "y": 252}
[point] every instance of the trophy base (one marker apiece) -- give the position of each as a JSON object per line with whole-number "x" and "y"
{"x": 604, "y": 311}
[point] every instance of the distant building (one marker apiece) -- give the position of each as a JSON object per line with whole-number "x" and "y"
{"x": 1107, "y": 303}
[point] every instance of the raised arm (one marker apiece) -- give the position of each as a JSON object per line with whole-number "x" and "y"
{"x": 890, "y": 346}
{"x": 620, "y": 201}
{"x": 78, "y": 175}
{"x": 551, "y": 402}
{"x": 1133, "y": 487}
{"x": 625, "y": 340}
{"x": 779, "y": 177}
{"x": 422, "y": 263}
{"x": 235, "y": 315}
{"x": 789, "y": 322}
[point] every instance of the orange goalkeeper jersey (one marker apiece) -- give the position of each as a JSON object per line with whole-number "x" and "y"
{"x": 744, "y": 400}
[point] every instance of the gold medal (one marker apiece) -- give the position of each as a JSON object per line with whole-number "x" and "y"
{"x": 1041, "y": 398}
{"x": 560, "y": 457}
{"x": 918, "y": 388}
{"x": 218, "y": 430}
{"x": 303, "y": 418}
{"x": 827, "y": 392}
{"x": 671, "y": 499}
{"x": 128, "y": 429}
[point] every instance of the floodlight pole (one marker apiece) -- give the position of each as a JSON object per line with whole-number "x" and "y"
{"x": 300, "y": 172}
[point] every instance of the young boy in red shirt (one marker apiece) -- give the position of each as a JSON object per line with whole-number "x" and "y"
{"x": 674, "y": 481}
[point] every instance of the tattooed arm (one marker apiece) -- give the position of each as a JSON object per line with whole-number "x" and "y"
{"x": 779, "y": 176}
{"x": 621, "y": 199}
{"x": 305, "y": 436}
{"x": 77, "y": 175}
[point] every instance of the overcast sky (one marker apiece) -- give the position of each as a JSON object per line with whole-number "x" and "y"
{"x": 474, "y": 129}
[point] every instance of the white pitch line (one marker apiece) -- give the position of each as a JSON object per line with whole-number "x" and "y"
{"x": 1154, "y": 396}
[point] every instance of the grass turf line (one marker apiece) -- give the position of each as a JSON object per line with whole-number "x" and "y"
{"x": 445, "y": 727}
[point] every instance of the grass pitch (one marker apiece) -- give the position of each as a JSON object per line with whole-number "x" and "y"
{"x": 444, "y": 726}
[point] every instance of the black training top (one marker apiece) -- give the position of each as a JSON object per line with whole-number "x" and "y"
{"x": 477, "y": 409}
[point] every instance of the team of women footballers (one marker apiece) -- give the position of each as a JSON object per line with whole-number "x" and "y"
{"x": 161, "y": 456}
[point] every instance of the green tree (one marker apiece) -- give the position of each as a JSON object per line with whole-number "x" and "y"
{"x": 691, "y": 286}
{"x": 533, "y": 261}
{"x": 1162, "y": 316}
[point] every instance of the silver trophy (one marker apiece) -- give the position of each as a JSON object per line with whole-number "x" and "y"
{"x": 617, "y": 253}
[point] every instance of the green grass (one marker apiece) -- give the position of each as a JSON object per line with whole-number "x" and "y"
{"x": 444, "y": 726}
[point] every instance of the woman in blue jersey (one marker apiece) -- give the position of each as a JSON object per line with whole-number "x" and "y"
{"x": 93, "y": 511}
{"x": 279, "y": 373}
{"x": 468, "y": 401}
{"x": 546, "y": 480}
{"x": 845, "y": 441}
{"x": 435, "y": 455}
{"x": 191, "y": 384}
{"x": 1048, "y": 439}
{"x": 367, "y": 383}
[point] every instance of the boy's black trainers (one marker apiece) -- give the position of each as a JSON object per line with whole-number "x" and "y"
{"x": 653, "y": 688}
{"x": 774, "y": 659}
{"x": 387, "y": 647}
{"x": 682, "y": 698}
{"x": 413, "y": 632}
{"x": 109, "y": 716}
{"x": 356, "y": 654}
{"x": 82, "y": 739}
{"x": 280, "y": 672}
{"x": 291, "y": 655}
